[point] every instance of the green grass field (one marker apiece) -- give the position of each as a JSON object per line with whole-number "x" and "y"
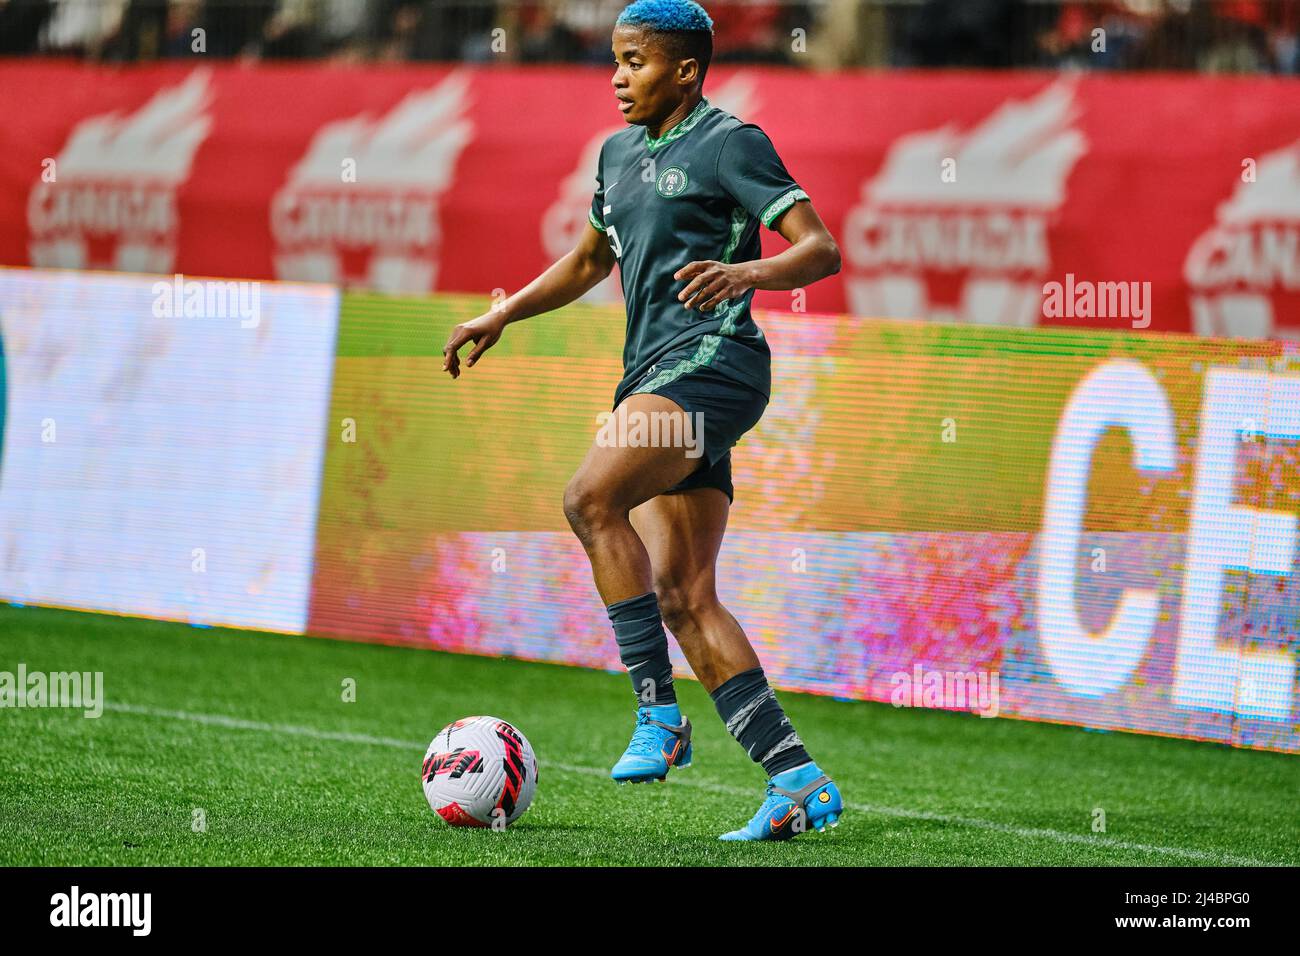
{"x": 252, "y": 730}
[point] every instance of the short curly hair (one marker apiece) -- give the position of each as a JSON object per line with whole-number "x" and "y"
{"x": 683, "y": 26}
{"x": 666, "y": 15}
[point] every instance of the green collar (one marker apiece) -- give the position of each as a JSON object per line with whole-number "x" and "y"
{"x": 681, "y": 129}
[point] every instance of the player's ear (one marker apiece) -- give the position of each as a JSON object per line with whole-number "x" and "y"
{"x": 688, "y": 71}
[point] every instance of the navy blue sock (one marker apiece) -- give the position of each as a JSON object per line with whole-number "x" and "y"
{"x": 747, "y": 705}
{"x": 643, "y": 648}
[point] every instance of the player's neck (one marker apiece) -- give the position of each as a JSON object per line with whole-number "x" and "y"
{"x": 677, "y": 115}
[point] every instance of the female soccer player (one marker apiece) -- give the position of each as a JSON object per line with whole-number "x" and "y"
{"x": 680, "y": 195}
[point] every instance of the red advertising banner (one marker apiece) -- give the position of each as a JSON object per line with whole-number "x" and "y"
{"x": 1165, "y": 203}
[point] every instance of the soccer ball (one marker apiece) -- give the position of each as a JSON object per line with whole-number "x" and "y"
{"x": 479, "y": 772}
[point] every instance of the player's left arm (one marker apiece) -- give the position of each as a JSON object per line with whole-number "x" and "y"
{"x": 754, "y": 175}
{"x": 813, "y": 253}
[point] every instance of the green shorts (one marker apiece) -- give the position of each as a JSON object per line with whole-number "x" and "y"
{"x": 729, "y": 409}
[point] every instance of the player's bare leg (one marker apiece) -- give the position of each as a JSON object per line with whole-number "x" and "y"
{"x": 683, "y": 535}
{"x": 612, "y": 480}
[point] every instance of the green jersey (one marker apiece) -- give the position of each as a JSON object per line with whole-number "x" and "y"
{"x": 697, "y": 192}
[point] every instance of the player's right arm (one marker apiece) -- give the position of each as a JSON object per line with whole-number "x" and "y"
{"x": 590, "y": 261}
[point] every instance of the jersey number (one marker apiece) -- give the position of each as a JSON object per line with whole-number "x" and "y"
{"x": 613, "y": 235}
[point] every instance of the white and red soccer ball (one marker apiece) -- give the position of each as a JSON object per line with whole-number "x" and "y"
{"x": 479, "y": 772}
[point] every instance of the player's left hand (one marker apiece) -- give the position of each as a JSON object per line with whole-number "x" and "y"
{"x": 713, "y": 282}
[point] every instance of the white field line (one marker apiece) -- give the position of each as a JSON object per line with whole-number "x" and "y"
{"x": 1024, "y": 833}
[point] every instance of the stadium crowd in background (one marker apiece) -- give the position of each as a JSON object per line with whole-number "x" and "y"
{"x": 1230, "y": 36}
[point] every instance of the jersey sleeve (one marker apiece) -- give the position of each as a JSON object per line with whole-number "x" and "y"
{"x": 596, "y": 214}
{"x": 752, "y": 174}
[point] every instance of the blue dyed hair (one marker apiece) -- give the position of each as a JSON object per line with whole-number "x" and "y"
{"x": 684, "y": 26}
{"x": 666, "y": 15}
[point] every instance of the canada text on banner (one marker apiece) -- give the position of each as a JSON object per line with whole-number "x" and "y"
{"x": 1153, "y": 203}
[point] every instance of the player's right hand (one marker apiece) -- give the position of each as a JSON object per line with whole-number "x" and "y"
{"x": 483, "y": 331}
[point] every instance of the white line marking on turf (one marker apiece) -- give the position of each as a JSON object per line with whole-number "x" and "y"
{"x": 1042, "y": 833}
{"x": 235, "y": 723}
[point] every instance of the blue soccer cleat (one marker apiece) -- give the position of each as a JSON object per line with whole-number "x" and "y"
{"x": 797, "y": 800}
{"x": 656, "y": 746}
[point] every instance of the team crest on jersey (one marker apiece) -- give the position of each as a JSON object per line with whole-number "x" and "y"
{"x": 671, "y": 182}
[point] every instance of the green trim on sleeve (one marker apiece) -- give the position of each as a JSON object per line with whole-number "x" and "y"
{"x": 780, "y": 205}
{"x": 591, "y": 218}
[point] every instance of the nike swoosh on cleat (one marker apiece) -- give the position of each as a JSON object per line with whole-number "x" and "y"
{"x": 778, "y": 824}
